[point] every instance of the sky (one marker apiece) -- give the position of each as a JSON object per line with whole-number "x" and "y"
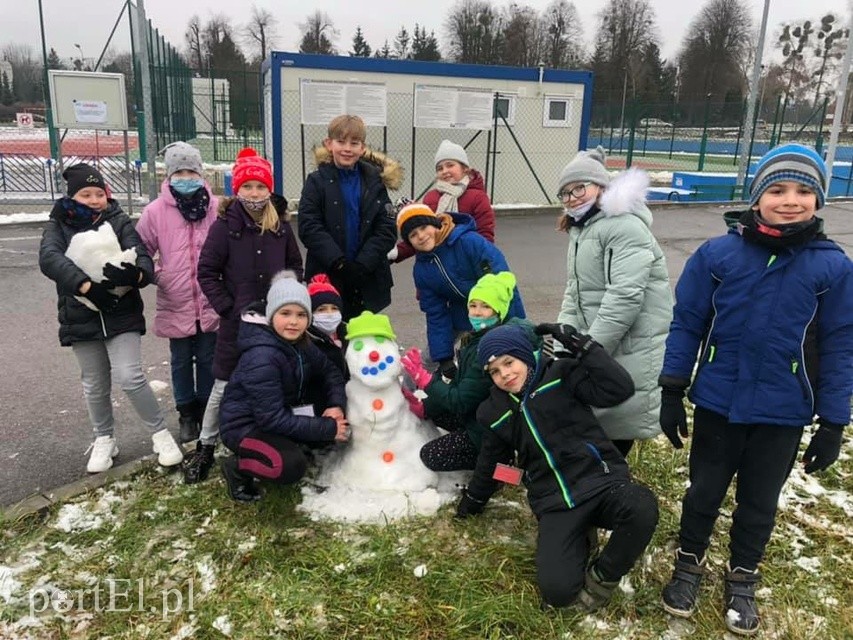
{"x": 88, "y": 24}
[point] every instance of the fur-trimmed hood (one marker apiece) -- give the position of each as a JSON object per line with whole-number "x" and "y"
{"x": 390, "y": 171}
{"x": 626, "y": 194}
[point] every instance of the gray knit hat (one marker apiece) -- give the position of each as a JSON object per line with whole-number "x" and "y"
{"x": 448, "y": 150}
{"x": 286, "y": 289}
{"x": 586, "y": 166}
{"x": 180, "y": 155}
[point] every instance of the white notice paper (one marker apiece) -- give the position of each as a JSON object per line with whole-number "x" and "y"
{"x": 91, "y": 111}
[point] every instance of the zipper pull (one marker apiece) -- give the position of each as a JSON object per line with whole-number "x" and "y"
{"x": 606, "y": 468}
{"x": 794, "y": 366}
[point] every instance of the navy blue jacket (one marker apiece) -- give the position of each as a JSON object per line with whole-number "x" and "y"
{"x": 273, "y": 376}
{"x": 776, "y": 331}
{"x": 445, "y": 276}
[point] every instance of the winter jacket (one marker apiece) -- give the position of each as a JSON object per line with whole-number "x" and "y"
{"x": 77, "y": 322}
{"x": 618, "y": 292}
{"x": 564, "y": 453}
{"x": 470, "y": 386}
{"x": 335, "y": 354}
{"x": 322, "y": 224}
{"x": 177, "y": 242}
{"x": 475, "y": 202}
{"x": 444, "y": 277}
{"x": 236, "y": 266}
{"x": 776, "y": 330}
{"x": 272, "y": 377}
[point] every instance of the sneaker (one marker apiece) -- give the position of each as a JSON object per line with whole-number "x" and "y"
{"x": 241, "y": 487}
{"x": 679, "y": 596}
{"x": 198, "y": 463}
{"x": 596, "y": 591}
{"x": 168, "y": 452}
{"x": 739, "y": 599}
{"x": 103, "y": 449}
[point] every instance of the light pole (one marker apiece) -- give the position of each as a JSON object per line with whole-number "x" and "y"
{"x": 82, "y": 58}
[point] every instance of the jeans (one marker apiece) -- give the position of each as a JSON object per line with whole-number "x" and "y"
{"x": 189, "y": 385}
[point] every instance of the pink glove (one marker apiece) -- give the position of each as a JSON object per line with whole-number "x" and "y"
{"x": 416, "y": 405}
{"x": 413, "y": 365}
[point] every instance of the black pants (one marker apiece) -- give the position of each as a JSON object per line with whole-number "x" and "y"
{"x": 630, "y": 510}
{"x": 762, "y": 457}
{"x": 451, "y": 452}
{"x": 624, "y": 446}
{"x": 269, "y": 456}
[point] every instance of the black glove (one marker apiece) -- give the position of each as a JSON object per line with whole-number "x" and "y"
{"x": 577, "y": 344}
{"x": 99, "y": 294}
{"x": 402, "y": 202}
{"x": 469, "y": 506}
{"x": 824, "y": 447}
{"x": 126, "y": 276}
{"x": 447, "y": 368}
{"x": 673, "y": 416}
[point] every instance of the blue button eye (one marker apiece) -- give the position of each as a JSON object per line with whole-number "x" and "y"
{"x": 373, "y": 371}
{"x": 389, "y": 359}
{"x": 365, "y": 371}
{"x": 382, "y": 366}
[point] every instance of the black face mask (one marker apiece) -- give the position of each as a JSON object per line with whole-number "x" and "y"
{"x": 193, "y": 206}
{"x": 778, "y": 236}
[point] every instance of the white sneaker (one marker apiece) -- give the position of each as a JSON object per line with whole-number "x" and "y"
{"x": 104, "y": 449}
{"x": 168, "y": 452}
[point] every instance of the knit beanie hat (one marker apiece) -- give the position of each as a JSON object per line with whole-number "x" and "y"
{"x": 179, "y": 156}
{"x": 790, "y": 162}
{"x": 323, "y": 292}
{"x": 586, "y": 166}
{"x": 413, "y": 216}
{"x": 370, "y": 324}
{"x": 506, "y": 340}
{"x": 495, "y": 289}
{"x": 250, "y": 166}
{"x": 81, "y": 175}
{"x": 286, "y": 289}
{"x": 448, "y": 150}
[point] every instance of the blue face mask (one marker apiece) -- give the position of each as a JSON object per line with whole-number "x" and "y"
{"x": 482, "y": 323}
{"x": 186, "y": 186}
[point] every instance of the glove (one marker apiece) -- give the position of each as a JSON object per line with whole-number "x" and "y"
{"x": 416, "y": 405}
{"x": 126, "y": 276}
{"x": 824, "y": 447}
{"x": 469, "y": 506}
{"x": 100, "y": 295}
{"x": 447, "y": 369}
{"x": 402, "y": 202}
{"x": 413, "y": 365}
{"x": 577, "y": 344}
{"x": 673, "y": 416}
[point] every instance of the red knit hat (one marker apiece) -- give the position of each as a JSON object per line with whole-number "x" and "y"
{"x": 322, "y": 292}
{"x": 250, "y": 166}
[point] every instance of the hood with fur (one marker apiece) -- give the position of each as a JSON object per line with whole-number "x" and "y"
{"x": 390, "y": 170}
{"x": 626, "y": 195}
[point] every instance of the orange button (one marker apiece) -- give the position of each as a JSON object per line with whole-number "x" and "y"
{"x": 378, "y": 404}
{"x": 388, "y": 456}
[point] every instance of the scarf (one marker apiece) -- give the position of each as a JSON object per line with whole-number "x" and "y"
{"x": 444, "y": 230}
{"x": 193, "y": 207}
{"x": 450, "y": 194}
{"x": 777, "y": 237}
{"x": 79, "y": 215}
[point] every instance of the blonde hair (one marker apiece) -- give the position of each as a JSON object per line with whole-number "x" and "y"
{"x": 346, "y": 126}
{"x": 270, "y": 220}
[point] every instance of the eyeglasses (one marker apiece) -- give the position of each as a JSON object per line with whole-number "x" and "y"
{"x": 578, "y": 191}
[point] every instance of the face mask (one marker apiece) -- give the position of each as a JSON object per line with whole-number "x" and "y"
{"x": 579, "y": 212}
{"x": 254, "y": 206}
{"x": 482, "y": 323}
{"x": 186, "y": 186}
{"x": 327, "y": 322}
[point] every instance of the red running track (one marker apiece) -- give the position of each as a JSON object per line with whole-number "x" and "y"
{"x": 106, "y": 145}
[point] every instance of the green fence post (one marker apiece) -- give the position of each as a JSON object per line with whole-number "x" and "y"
{"x": 704, "y": 143}
{"x": 775, "y": 119}
{"x": 629, "y": 159}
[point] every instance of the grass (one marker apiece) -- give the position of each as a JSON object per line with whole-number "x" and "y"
{"x": 268, "y": 571}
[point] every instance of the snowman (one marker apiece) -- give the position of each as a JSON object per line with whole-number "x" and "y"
{"x": 92, "y": 250}
{"x": 379, "y": 474}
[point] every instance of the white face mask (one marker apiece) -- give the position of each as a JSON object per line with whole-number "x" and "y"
{"x": 580, "y": 211}
{"x": 327, "y": 322}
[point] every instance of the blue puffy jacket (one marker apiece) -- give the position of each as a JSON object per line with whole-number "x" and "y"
{"x": 445, "y": 276}
{"x": 272, "y": 377}
{"x": 776, "y": 331}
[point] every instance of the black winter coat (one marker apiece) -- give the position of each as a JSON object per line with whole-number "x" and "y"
{"x": 565, "y": 454}
{"x": 77, "y": 322}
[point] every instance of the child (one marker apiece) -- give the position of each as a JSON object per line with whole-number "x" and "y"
{"x": 344, "y": 219}
{"x": 575, "y": 477}
{"x": 106, "y": 341}
{"x": 453, "y": 405}
{"x": 458, "y": 188}
{"x": 264, "y": 411}
{"x": 327, "y": 330}
{"x": 173, "y": 228}
{"x": 771, "y": 303}
{"x": 248, "y": 244}
{"x": 451, "y": 258}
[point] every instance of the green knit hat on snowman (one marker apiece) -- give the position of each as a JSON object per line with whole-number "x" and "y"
{"x": 370, "y": 324}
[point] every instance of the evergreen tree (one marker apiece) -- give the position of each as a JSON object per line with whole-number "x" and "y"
{"x": 425, "y": 46}
{"x": 53, "y": 60}
{"x": 384, "y": 52}
{"x": 6, "y": 95}
{"x": 319, "y": 34}
{"x": 401, "y": 44}
{"x": 360, "y": 48}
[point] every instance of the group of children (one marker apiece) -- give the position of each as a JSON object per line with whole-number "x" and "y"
{"x": 771, "y": 303}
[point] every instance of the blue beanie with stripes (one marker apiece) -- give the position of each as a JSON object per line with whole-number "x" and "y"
{"x": 790, "y": 162}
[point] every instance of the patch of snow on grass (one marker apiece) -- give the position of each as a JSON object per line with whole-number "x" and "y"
{"x": 223, "y": 625}
{"x": 808, "y": 564}
{"x": 420, "y": 571}
{"x": 75, "y": 517}
{"x": 207, "y": 574}
{"x": 8, "y": 584}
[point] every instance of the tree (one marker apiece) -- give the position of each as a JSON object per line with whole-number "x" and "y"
{"x": 194, "y": 47}
{"x": 521, "y": 36}
{"x": 6, "y": 95}
{"x": 318, "y": 34}
{"x": 27, "y": 72}
{"x": 828, "y": 41}
{"x": 473, "y": 31}
{"x": 261, "y": 32}
{"x": 401, "y": 44}
{"x": 384, "y": 52}
{"x": 562, "y": 34}
{"x": 360, "y": 48}
{"x": 425, "y": 46}
{"x": 54, "y": 61}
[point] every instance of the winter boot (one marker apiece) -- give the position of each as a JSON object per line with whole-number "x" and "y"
{"x": 187, "y": 422}
{"x": 679, "y": 596}
{"x": 241, "y": 487}
{"x": 103, "y": 449}
{"x": 198, "y": 463}
{"x": 596, "y": 591}
{"x": 169, "y": 454}
{"x": 741, "y": 613}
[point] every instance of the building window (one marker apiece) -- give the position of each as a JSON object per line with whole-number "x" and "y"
{"x": 557, "y": 111}
{"x": 504, "y": 105}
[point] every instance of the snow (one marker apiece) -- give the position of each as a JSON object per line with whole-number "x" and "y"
{"x": 812, "y": 565}
{"x": 75, "y": 517}
{"x": 223, "y": 625}
{"x": 420, "y": 571}
{"x": 732, "y": 616}
{"x": 23, "y": 218}
{"x": 207, "y": 574}
{"x": 8, "y": 584}
{"x": 158, "y": 386}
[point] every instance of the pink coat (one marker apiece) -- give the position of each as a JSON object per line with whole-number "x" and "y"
{"x": 175, "y": 244}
